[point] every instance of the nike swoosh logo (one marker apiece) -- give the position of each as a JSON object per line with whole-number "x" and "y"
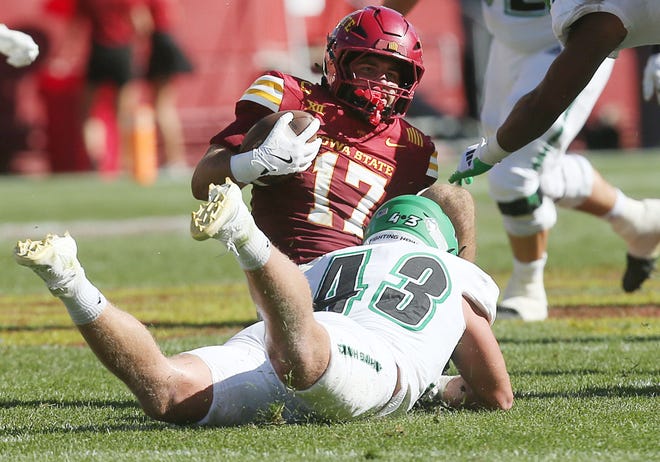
{"x": 391, "y": 144}
{"x": 283, "y": 159}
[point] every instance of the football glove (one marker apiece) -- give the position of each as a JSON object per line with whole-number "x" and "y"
{"x": 651, "y": 80}
{"x": 19, "y": 47}
{"x": 282, "y": 152}
{"x": 477, "y": 159}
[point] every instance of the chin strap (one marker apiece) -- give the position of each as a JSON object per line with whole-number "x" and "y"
{"x": 377, "y": 99}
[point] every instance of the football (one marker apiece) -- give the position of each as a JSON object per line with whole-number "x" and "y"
{"x": 259, "y": 131}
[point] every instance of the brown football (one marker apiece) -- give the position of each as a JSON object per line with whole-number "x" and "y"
{"x": 259, "y": 131}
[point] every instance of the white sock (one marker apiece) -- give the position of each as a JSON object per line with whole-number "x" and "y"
{"x": 244, "y": 239}
{"x": 530, "y": 271}
{"x": 255, "y": 252}
{"x": 85, "y": 302}
{"x": 619, "y": 206}
{"x": 638, "y": 223}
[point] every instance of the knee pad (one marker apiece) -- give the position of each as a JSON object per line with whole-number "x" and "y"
{"x": 570, "y": 183}
{"x": 524, "y": 207}
{"x": 528, "y": 216}
{"x": 512, "y": 179}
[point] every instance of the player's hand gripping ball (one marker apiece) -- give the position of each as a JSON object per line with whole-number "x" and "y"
{"x": 260, "y": 131}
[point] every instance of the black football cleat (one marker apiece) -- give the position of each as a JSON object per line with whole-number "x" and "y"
{"x": 638, "y": 270}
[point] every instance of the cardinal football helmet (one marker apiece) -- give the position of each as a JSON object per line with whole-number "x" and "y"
{"x": 384, "y": 32}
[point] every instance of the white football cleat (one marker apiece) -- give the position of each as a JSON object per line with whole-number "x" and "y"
{"x": 525, "y": 308}
{"x": 224, "y": 217}
{"x": 524, "y": 298}
{"x": 53, "y": 259}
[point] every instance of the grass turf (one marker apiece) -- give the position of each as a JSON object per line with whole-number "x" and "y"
{"x": 586, "y": 389}
{"x": 580, "y": 395}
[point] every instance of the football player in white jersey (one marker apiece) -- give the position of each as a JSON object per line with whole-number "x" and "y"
{"x": 527, "y": 186}
{"x": 365, "y": 332}
{"x": 590, "y": 31}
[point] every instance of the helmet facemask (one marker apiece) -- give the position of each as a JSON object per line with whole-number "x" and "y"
{"x": 381, "y": 32}
{"x": 380, "y": 100}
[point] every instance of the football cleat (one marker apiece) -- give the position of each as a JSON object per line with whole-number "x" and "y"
{"x": 638, "y": 270}
{"x": 53, "y": 259}
{"x": 525, "y": 308}
{"x": 224, "y": 217}
{"x": 523, "y": 299}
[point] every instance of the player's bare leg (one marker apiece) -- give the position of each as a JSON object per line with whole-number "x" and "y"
{"x": 177, "y": 389}
{"x": 524, "y": 295}
{"x": 298, "y": 347}
{"x": 636, "y": 221}
{"x": 174, "y": 390}
{"x": 458, "y": 205}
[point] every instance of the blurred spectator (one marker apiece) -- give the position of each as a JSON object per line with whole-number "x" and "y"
{"x": 166, "y": 61}
{"x": 649, "y": 66}
{"x": 17, "y": 124}
{"x": 18, "y": 46}
{"x": 112, "y": 27}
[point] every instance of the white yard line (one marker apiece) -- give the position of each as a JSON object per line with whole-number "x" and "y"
{"x": 82, "y": 228}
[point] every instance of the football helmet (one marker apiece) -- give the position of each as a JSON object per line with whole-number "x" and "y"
{"x": 414, "y": 219}
{"x": 384, "y": 32}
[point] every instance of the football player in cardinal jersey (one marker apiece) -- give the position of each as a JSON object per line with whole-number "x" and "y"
{"x": 365, "y": 152}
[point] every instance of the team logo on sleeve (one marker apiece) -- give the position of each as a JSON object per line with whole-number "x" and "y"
{"x": 315, "y": 107}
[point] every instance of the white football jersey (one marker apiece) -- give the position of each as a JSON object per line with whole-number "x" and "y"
{"x": 640, "y": 17}
{"x": 411, "y": 295}
{"x": 522, "y": 25}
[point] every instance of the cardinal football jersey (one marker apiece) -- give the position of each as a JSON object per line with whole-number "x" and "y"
{"x": 358, "y": 167}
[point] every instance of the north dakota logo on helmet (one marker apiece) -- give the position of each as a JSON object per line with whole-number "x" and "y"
{"x": 413, "y": 219}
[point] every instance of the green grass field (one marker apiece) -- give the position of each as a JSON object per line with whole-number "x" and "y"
{"x": 587, "y": 387}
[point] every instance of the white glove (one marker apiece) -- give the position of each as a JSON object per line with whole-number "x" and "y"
{"x": 651, "y": 81}
{"x": 19, "y": 47}
{"x": 281, "y": 153}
